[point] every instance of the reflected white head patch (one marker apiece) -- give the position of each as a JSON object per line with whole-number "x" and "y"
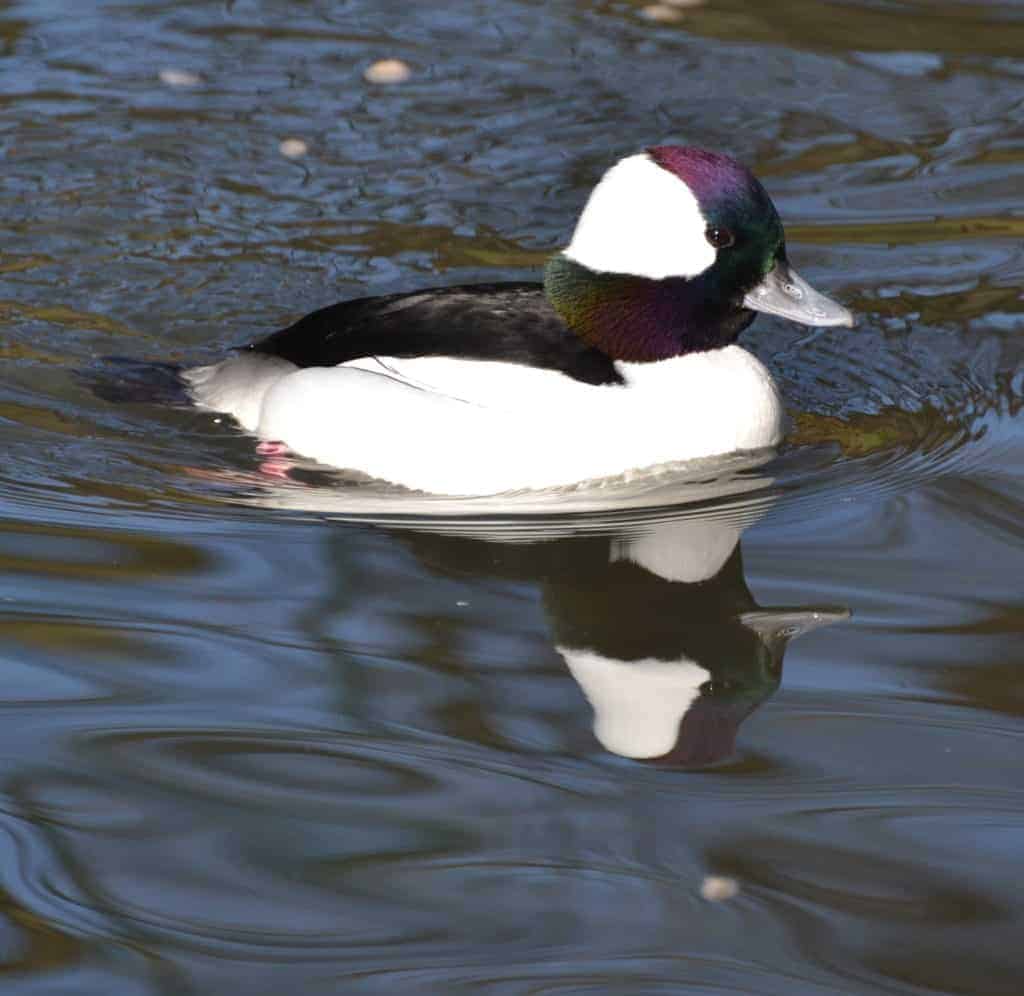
{"x": 638, "y": 705}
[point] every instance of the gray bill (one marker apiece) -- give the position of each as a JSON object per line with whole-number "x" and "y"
{"x": 784, "y": 292}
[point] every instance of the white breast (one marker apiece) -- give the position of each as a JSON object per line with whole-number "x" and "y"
{"x": 463, "y": 427}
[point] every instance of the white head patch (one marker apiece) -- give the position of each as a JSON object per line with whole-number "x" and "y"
{"x": 644, "y": 221}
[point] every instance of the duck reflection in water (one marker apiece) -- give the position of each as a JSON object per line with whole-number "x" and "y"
{"x": 655, "y": 623}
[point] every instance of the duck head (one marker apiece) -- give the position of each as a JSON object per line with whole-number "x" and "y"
{"x": 675, "y": 252}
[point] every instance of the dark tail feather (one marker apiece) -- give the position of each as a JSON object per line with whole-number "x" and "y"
{"x": 122, "y": 380}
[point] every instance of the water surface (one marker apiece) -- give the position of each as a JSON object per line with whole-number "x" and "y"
{"x": 320, "y": 736}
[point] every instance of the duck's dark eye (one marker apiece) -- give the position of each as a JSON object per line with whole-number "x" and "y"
{"x": 720, "y": 238}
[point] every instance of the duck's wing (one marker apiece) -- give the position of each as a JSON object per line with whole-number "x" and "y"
{"x": 509, "y": 322}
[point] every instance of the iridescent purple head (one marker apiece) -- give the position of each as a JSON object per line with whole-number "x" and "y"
{"x": 675, "y": 250}
{"x": 739, "y": 213}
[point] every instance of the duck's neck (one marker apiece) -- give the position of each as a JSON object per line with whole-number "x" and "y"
{"x": 639, "y": 320}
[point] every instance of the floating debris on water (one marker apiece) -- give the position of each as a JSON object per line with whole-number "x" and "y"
{"x": 179, "y": 77}
{"x": 662, "y": 13}
{"x": 387, "y": 71}
{"x": 669, "y": 11}
{"x": 719, "y": 888}
{"x": 293, "y": 148}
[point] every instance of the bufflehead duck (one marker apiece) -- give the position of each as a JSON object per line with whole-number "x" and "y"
{"x": 624, "y": 358}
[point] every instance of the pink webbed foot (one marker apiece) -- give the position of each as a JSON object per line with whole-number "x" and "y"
{"x": 271, "y": 448}
{"x": 277, "y": 463}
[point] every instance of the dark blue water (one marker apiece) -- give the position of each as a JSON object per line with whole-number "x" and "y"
{"x": 319, "y": 737}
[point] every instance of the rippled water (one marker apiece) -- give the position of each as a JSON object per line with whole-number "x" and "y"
{"x": 316, "y": 735}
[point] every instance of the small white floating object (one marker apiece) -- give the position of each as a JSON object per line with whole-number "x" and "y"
{"x": 719, "y": 888}
{"x": 293, "y": 148}
{"x": 179, "y": 78}
{"x": 662, "y": 13}
{"x": 670, "y": 11}
{"x": 387, "y": 71}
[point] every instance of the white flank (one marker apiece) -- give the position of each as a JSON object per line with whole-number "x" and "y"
{"x": 642, "y": 220}
{"x": 638, "y": 705}
{"x": 468, "y": 427}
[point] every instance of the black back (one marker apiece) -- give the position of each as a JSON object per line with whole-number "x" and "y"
{"x": 509, "y": 322}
